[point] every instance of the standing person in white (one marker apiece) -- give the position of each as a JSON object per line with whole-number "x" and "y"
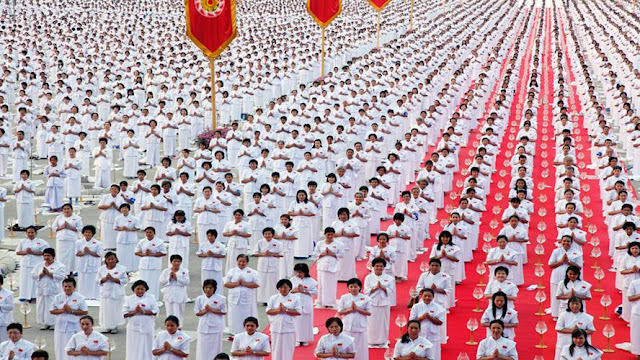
{"x": 178, "y": 233}
{"x": 212, "y": 252}
{"x": 380, "y": 288}
{"x": 67, "y": 227}
{"x": 150, "y": 250}
{"x": 48, "y": 276}
{"x": 335, "y": 344}
{"x": 67, "y": 307}
{"x": 31, "y": 249}
{"x": 269, "y": 252}
{"x": 497, "y": 345}
{"x": 237, "y": 233}
{"x": 356, "y": 307}
{"x": 242, "y": 283}
{"x": 102, "y": 160}
{"x": 172, "y": 343}
{"x": 210, "y": 308}
{"x": 109, "y": 207}
{"x": 73, "y": 182}
{"x": 139, "y": 310}
{"x": 282, "y": 309}
{"x": 327, "y": 255}
{"x": 174, "y": 282}
{"x": 127, "y": 226}
{"x": 87, "y": 344}
{"x": 111, "y": 278}
{"x": 305, "y": 287}
{"x": 88, "y": 252}
{"x": 25, "y": 191}
{"x": 413, "y": 343}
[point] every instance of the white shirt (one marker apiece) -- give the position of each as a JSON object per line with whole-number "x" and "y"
{"x": 68, "y": 322}
{"x": 258, "y": 342}
{"x": 140, "y": 323}
{"x": 344, "y": 343}
{"x": 212, "y": 263}
{"x": 354, "y": 321}
{"x": 174, "y": 291}
{"x": 210, "y": 323}
{"x": 328, "y": 263}
{"x": 22, "y": 349}
{"x": 179, "y": 341}
{"x": 283, "y": 322}
{"x": 93, "y": 342}
{"x": 504, "y": 346}
{"x": 420, "y": 346}
{"x": 580, "y": 353}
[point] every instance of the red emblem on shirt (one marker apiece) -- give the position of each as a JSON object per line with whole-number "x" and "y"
{"x": 179, "y": 338}
{"x": 504, "y": 346}
{"x": 95, "y": 341}
{"x": 20, "y": 350}
{"x": 339, "y": 344}
{"x": 115, "y": 273}
{"x": 257, "y": 340}
{"x": 215, "y": 302}
{"x": 74, "y": 300}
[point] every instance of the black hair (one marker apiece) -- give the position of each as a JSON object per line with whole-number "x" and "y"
{"x": 378, "y": 261}
{"x": 575, "y": 334}
{"x": 405, "y": 338}
{"x": 140, "y": 283}
{"x": 251, "y": 319}
{"x": 576, "y": 300}
{"x": 283, "y": 282}
{"x": 16, "y": 326}
{"x": 174, "y": 319}
{"x": 493, "y": 304}
{"x": 332, "y": 320}
{"x": 354, "y": 281}
{"x": 444, "y": 233}
{"x": 49, "y": 251}
{"x": 303, "y": 268}
{"x": 575, "y": 269}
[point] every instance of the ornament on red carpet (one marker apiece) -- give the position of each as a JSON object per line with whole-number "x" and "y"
{"x": 467, "y": 161}
{"x": 464, "y": 172}
{"x": 595, "y": 241}
{"x": 472, "y": 325}
{"x": 541, "y": 239}
{"x": 539, "y": 272}
{"x": 401, "y": 321}
{"x": 448, "y": 209}
{"x": 541, "y": 297}
{"x": 592, "y": 229}
{"x": 512, "y": 137}
{"x": 496, "y": 209}
{"x": 586, "y": 200}
{"x": 541, "y": 328}
{"x": 472, "y": 152}
{"x": 543, "y": 146}
{"x": 501, "y": 184}
{"x": 545, "y": 138}
{"x": 579, "y": 147}
{"x": 538, "y": 357}
{"x": 542, "y": 186}
{"x": 539, "y": 249}
{"x": 542, "y": 226}
{"x": 542, "y": 212}
{"x": 499, "y": 196}
{"x": 25, "y": 309}
{"x": 580, "y": 155}
{"x": 478, "y": 294}
{"x": 413, "y": 292}
{"x": 605, "y": 301}
{"x": 503, "y": 173}
{"x": 40, "y": 343}
{"x": 459, "y": 183}
{"x": 545, "y": 164}
{"x": 424, "y": 266}
{"x": 598, "y": 275}
{"x": 463, "y": 356}
{"x": 493, "y": 225}
{"x": 481, "y": 269}
{"x": 388, "y": 354}
{"x": 585, "y": 187}
{"x": 487, "y": 237}
{"x": 608, "y": 331}
{"x": 595, "y": 253}
{"x": 542, "y": 198}
{"x": 509, "y": 145}
{"x": 453, "y": 195}
{"x": 506, "y": 163}
{"x": 486, "y": 248}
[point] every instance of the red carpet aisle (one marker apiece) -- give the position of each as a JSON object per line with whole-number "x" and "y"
{"x": 453, "y": 348}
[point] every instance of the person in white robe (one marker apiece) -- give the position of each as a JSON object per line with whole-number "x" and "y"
{"x": 109, "y": 207}
{"x": 355, "y": 307}
{"x": 21, "y": 151}
{"x": 269, "y": 253}
{"x": 250, "y": 344}
{"x": 111, "y": 278}
{"x": 560, "y": 260}
{"x": 172, "y": 343}
{"x": 31, "y": 249}
{"x": 178, "y": 233}
{"x": 16, "y": 348}
{"x": 88, "y": 253}
{"x": 152, "y": 140}
{"x": 380, "y": 288}
{"x": 48, "y": 276}
{"x": 499, "y": 309}
{"x": 73, "y": 183}
{"x": 282, "y": 309}
{"x": 127, "y": 226}
{"x": 287, "y": 234}
{"x": 87, "y": 343}
{"x": 67, "y": 227}
{"x": 6, "y": 309}
{"x": 302, "y": 210}
{"x": 212, "y": 252}
{"x": 153, "y": 209}
{"x": 306, "y": 288}
{"x": 237, "y": 233}
{"x": 173, "y": 283}
{"x": 242, "y": 283}
{"x": 55, "y": 175}
{"x": 139, "y": 310}
{"x": 25, "y": 190}
{"x": 210, "y": 309}
{"x": 102, "y": 162}
{"x": 413, "y": 343}
{"x": 335, "y": 344}
{"x": 150, "y": 250}
{"x": 327, "y": 255}
{"x": 67, "y": 307}
{"x": 131, "y": 150}
{"x": 207, "y": 209}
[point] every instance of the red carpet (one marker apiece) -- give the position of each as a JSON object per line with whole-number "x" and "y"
{"x": 542, "y": 223}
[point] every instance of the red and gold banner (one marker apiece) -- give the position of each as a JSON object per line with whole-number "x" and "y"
{"x": 379, "y": 4}
{"x": 211, "y": 24}
{"x": 324, "y": 11}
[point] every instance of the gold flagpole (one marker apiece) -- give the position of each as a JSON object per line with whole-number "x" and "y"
{"x": 411, "y": 16}
{"x": 322, "y": 55}
{"x": 213, "y": 92}
{"x": 378, "y": 31}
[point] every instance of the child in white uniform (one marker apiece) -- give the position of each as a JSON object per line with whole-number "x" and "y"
{"x": 174, "y": 282}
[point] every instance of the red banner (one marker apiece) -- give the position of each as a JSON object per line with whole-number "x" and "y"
{"x": 379, "y": 4}
{"x": 211, "y": 24}
{"x": 324, "y": 11}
